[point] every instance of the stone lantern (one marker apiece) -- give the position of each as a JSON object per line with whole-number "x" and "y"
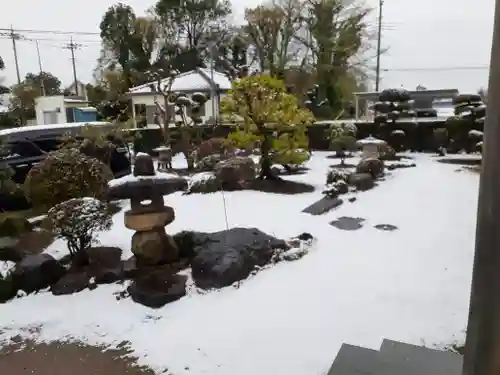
{"x": 370, "y": 146}
{"x": 164, "y": 158}
{"x": 148, "y": 214}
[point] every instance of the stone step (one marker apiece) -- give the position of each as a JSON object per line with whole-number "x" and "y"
{"x": 420, "y": 360}
{"x": 354, "y": 360}
{"x": 395, "y": 358}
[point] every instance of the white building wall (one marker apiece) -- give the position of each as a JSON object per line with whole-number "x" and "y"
{"x": 149, "y": 100}
{"x": 50, "y": 104}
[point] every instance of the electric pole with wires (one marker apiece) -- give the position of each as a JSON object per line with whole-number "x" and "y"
{"x": 72, "y": 47}
{"x": 379, "y": 42}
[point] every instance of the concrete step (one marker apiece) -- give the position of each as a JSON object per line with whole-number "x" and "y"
{"x": 395, "y": 358}
{"x": 419, "y": 360}
{"x": 354, "y": 360}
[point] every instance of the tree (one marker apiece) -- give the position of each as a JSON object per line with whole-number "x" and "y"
{"x": 187, "y": 27}
{"x": 117, "y": 28}
{"x": 342, "y": 139}
{"x": 271, "y": 31}
{"x": 336, "y": 31}
{"x": 270, "y": 113}
{"x": 393, "y": 104}
{"x": 3, "y": 89}
{"x": 51, "y": 84}
{"x": 470, "y": 112}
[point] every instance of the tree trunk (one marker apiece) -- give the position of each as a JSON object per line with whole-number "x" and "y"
{"x": 265, "y": 160}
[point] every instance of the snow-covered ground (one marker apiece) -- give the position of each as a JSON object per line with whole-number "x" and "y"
{"x": 357, "y": 287}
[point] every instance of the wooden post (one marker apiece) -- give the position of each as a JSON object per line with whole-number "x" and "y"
{"x": 482, "y": 349}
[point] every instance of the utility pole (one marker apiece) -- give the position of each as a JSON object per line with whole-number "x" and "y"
{"x": 42, "y": 84}
{"x": 379, "y": 41}
{"x": 482, "y": 347}
{"x": 14, "y": 37}
{"x": 72, "y": 47}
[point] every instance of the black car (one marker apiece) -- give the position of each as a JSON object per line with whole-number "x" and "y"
{"x": 29, "y": 145}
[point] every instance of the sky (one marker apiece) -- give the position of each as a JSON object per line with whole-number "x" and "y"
{"x": 434, "y": 43}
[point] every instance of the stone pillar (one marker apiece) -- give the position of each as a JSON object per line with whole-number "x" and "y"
{"x": 482, "y": 349}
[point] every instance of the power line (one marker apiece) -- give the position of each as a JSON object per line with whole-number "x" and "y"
{"x": 438, "y": 69}
{"x": 59, "y": 32}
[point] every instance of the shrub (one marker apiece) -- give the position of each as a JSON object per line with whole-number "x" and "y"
{"x": 66, "y": 174}
{"x": 372, "y": 166}
{"x": 342, "y": 139}
{"x": 12, "y": 226}
{"x": 78, "y": 220}
{"x": 212, "y": 146}
{"x": 440, "y": 137}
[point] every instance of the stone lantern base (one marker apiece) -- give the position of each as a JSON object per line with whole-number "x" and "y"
{"x": 154, "y": 247}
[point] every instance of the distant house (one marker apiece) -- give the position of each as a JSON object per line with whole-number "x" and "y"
{"x": 58, "y": 109}
{"x": 79, "y": 89}
{"x": 213, "y": 84}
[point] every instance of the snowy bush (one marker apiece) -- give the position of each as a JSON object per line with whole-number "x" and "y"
{"x": 66, "y": 174}
{"x": 335, "y": 175}
{"x": 78, "y": 220}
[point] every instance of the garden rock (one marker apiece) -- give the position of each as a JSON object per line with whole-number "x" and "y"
{"x": 105, "y": 264}
{"x": 400, "y": 165}
{"x": 72, "y": 282}
{"x": 208, "y": 163}
{"x": 225, "y": 257}
{"x": 12, "y": 226}
{"x": 373, "y": 166}
{"x": 153, "y": 247}
{"x": 10, "y": 253}
{"x": 362, "y": 181}
{"x": 204, "y": 183}
{"x": 37, "y": 272}
{"x": 7, "y": 289}
{"x": 386, "y": 227}
{"x": 235, "y": 172}
{"x": 158, "y": 288}
{"x": 323, "y": 206}
{"x": 348, "y": 223}
{"x": 129, "y": 267}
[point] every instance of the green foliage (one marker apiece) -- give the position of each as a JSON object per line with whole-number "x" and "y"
{"x": 243, "y": 140}
{"x": 66, "y": 174}
{"x": 342, "y": 139}
{"x": 289, "y": 149}
{"x": 269, "y": 112}
{"x": 78, "y": 220}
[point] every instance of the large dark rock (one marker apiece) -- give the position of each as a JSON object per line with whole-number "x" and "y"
{"x": 323, "y": 206}
{"x": 362, "y": 181}
{"x": 222, "y": 258}
{"x": 72, "y": 282}
{"x": 158, "y": 288}
{"x": 372, "y": 166}
{"x": 37, "y": 272}
{"x": 105, "y": 264}
{"x": 235, "y": 172}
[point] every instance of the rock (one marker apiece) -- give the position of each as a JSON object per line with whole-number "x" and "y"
{"x": 278, "y": 169}
{"x": 7, "y": 289}
{"x": 305, "y": 236}
{"x": 362, "y": 181}
{"x": 105, "y": 264}
{"x": 204, "y": 182}
{"x": 352, "y": 199}
{"x": 158, "y": 288}
{"x": 104, "y": 256}
{"x": 11, "y": 254}
{"x": 323, "y": 206}
{"x": 14, "y": 226}
{"x": 225, "y": 257}
{"x": 154, "y": 247}
{"x": 143, "y": 165}
{"x": 372, "y": 166}
{"x": 129, "y": 267}
{"x": 400, "y": 165}
{"x": 235, "y": 172}
{"x": 386, "y": 227}
{"x": 348, "y": 223}
{"x": 72, "y": 282}
{"x": 208, "y": 163}
{"x": 37, "y": 272}
{"x": 342, "y": 187}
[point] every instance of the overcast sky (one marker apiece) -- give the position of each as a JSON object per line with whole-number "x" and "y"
{"x": 435, "y": 43}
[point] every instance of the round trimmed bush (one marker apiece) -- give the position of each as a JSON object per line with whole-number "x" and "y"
{"x": 66, "y": 174}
